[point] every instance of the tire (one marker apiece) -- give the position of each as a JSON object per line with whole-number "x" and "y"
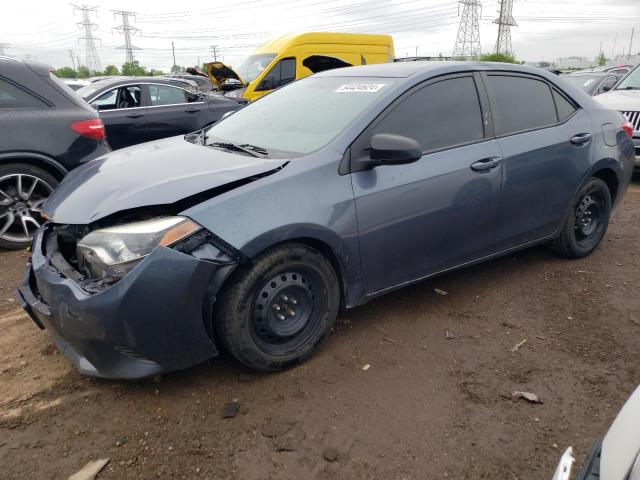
{"x": 19, "y": 214}
{"x": 276, "y": 312}
{"x": 587, "y": 222}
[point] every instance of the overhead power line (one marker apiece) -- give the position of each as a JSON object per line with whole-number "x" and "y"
{"x": 468, "y": 39}
{"x": 92, "y": 61}
{"x": 127, "y": 30}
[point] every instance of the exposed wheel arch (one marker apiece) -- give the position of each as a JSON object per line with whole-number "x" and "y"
{"x": 51, "y": 166}
{"x": 609, "y": 176}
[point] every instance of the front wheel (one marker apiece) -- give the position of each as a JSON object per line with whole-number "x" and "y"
{"x": 277, "y": 311}
{"x": 587, "y": 223}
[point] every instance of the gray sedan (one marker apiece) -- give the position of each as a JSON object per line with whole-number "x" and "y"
{"x": 252, "y": 234}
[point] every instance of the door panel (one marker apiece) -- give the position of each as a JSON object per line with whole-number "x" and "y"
{"x": 419, "y": 219}
{"x": 124, "y": 120}
{"x": 170, "y": 114}
{"x": 441, "y": 211}
{"x": 542, "y": 172}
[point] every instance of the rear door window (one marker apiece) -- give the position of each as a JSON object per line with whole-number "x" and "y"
{"x": 15, "y": 98}
{"x": 520, "y": 103}
{"x": 166, "y": 95}
{"x": 438, "y": 116}
{"x": 564, "y": 107}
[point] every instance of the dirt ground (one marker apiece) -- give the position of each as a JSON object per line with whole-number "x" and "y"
{"x": 429, "y": 407}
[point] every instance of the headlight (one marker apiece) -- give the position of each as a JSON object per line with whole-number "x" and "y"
{"x": 114, "y": 251}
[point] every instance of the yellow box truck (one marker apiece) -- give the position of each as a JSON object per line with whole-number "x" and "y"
{"x": 295, "y": 56}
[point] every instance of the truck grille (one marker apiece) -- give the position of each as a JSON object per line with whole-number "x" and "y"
{"x": 634, "y": 119}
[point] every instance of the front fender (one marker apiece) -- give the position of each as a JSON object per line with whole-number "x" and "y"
{"x": 308, "y": 199}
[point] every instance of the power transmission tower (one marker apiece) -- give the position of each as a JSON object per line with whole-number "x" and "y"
{"x": 214, "y": 52}
{"x": 468, "y": 39}
{"x": 73, "y": 61}
{"x": 505, "y": 21}
{"x": 127, "y": 30}
{"x": 92, "y": 62}
{"x": 3, "y": 47}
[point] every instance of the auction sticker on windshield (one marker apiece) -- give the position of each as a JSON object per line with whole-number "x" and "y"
{"x": 360, "y": 87}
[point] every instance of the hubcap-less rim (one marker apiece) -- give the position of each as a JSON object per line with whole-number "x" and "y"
{"x": 285, "y": 310}
{"x": 21, "y": 197}
{"x": 589, "y": 213}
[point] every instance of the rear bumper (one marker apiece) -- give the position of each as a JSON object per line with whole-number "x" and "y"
{"x": 152, "y": 321}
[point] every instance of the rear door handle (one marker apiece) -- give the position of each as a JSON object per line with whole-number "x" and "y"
{"x": 135, "y": 115}
{"x": 192, "y": 110}
{"x": 581, "y": 138}
{"x": 486, "y": 164}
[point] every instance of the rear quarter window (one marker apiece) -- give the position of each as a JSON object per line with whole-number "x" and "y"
{"x": 13, "y": 97}
{"x": 520, "y": 103}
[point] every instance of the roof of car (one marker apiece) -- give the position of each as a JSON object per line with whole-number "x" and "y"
{"x": 163, "y": 80}
{"x": 589, "y": 74}
{"x": 406, "y": 69}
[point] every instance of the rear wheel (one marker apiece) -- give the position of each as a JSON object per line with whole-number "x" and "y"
{"x": 23, "y": 190}
{"x": 277, "y": 311}
{"x": 588, "y": 221}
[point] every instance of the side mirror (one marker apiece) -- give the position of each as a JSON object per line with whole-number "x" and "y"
{"x": 606, "y": 88}
{"x": 390, "y": 149}
{"x": 95, "y": 106}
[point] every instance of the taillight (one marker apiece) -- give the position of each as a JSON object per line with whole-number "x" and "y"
{"x": 93, "y": 128}
{"x": 628, "y": 128}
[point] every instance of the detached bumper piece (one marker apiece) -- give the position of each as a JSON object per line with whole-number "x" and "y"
{"x": 151, "y": 321}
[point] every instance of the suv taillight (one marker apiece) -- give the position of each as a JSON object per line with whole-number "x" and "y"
{"x": 93, "y": 128}
{"x": 628, "y": 128}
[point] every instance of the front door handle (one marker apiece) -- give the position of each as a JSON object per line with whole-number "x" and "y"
{"x": 135, "y": 115}
{"x": 192, "y": 110}
{"x": 486, "y": 164}
{"x": 581, "y": 138}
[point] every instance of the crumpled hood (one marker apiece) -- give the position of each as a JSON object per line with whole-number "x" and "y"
{"x": 620, "y": 100}
{"x": 154, "y": 173}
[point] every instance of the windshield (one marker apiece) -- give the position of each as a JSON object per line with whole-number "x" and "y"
{"x": 254, "y": 65}
{"x": 631, "y": 81}
{"x": 584, "y": 82}
{"x": 301, "y": 117}
{"x": 86, "y": 91}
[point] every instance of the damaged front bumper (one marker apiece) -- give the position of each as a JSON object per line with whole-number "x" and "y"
{"x": 154, "y": 320}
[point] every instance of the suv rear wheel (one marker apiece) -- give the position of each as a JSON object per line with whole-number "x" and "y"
{"x": 23, "y": 190}
{"x": 276, "y": 312}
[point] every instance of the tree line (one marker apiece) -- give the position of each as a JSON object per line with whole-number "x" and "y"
{"x": 129, "y": 69}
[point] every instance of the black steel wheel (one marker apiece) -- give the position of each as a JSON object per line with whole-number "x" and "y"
{"x": 588, "y": 221}
{"x": 275, "y": 312}
{"x": 23, "y": 190}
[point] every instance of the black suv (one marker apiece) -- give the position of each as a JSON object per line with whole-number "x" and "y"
{"x": 46, "y": 130}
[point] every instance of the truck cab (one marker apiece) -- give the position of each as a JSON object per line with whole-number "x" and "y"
{"x": 295, "y": 56}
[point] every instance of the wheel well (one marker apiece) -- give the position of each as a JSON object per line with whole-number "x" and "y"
{"x": 609, "y": 177}
{"x": 35, "y": 162}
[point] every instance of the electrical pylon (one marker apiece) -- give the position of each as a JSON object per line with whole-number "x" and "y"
{"x": 92, "y": 62}
{"x": 127, "y": 30}
{"x": 468, "y": 39}
{"x": 505, "y": 21}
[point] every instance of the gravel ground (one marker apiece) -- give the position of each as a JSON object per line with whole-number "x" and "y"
{"x": 435, "y": 402}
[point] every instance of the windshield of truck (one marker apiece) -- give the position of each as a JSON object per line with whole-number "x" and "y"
{"x": 254, "y": 65}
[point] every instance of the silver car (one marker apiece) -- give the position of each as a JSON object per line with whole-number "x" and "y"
{"x": 617, "y": 457}
{"x": 625, "y": 98}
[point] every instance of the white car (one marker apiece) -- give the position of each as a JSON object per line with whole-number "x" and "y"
{"x": 617, "y": 457}
{"x": 625, "y": 98}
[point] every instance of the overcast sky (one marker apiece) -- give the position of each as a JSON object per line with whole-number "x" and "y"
{"x": 547, "y": 29}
